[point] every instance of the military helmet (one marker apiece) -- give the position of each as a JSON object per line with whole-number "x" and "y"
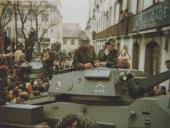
{"x": 110, "y": 42}
{"x": 84, "y": 41}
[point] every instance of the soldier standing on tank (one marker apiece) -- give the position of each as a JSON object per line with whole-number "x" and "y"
{"x": 84, "y": 57}
{"x": 109, "y": 59}
{"x": 29, "y": 46}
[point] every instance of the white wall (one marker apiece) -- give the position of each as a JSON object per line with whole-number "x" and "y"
{"x": 133, "y": 6}
{"x": 147, "y": 3}
{"x": 68, "y": 46}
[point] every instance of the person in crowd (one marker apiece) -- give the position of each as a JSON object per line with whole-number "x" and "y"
{"x": 4, "y": 69}
{"x": 1, "y": 44}
{"x": 109, "y": 57}
{"x": 51, "y": 62}
{"x": 76, "y": 121}
{"x": 45, "y": 58}
{"x": 43, "y": 125}
{"x": 7, "y": 43}
{"x": 84, "y": 57}
{"x": 19, "y": 58}
{"x": 128, "y": 20}
{"x": 122, "y": 15}
{"x": 29, "y": 46}
{"x": 69, "y": 121}
{"x": 19, "y": 55}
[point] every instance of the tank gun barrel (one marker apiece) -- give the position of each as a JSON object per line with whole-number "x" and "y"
{"x": 149, "y": 82}
{"x": 138, "y": 87}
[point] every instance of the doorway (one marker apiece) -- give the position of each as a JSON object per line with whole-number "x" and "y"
{"x": 152, "y": 58}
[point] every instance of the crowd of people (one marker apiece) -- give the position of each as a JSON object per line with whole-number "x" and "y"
{"x": 18, "y": 89}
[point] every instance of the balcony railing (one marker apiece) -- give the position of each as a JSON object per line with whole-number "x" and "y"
{"x": 124, "y": 27}
{"x": 155, "y": 16}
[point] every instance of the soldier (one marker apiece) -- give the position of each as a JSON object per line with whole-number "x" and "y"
{"x": 109, "y": 58}
{"x": 29, "y": 46}
{"x": 84, "y": 57}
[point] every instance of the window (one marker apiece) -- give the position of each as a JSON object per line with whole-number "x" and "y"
{"x": 72, "y": 41}
{"x": 147, "y": 3}
{"x": 129, "y": 4}
{"x": 133, "y": 6}
{"x": 140, "y": 6}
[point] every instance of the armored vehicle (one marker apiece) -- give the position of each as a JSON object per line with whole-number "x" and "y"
{"x": 112, "y": 98}
{"x": 32, "y": 70}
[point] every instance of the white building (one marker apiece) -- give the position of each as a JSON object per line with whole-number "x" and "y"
{"x": 48, "y": 23}
{"x": 89, "y": 29}
{"x": 71, "y": 37}
{"x": 144, "y": 33}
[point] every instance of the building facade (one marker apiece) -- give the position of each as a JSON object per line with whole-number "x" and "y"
{"x": 142, "y": 27}
{"x": 42, "y": 16}
{"x": 71, "y": 37}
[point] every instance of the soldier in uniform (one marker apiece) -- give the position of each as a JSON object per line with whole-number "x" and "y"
{"x": 109, "y": 59}
{"x": 84, "y": 57}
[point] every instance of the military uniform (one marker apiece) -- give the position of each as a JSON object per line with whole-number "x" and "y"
{"x": 101, "y": 55}
{"x": 111, "y": 58}
{"x": 82, "y": 56}
{"x": 109, "y": 55}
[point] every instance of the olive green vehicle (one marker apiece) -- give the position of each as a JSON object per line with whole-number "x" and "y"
{"x": 112, "y": 98}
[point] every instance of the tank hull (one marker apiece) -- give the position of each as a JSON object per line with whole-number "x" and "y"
{"x": 149, "y": 112}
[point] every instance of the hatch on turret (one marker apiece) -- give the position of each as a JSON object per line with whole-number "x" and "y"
{"x": 98, "y": 74}
{"x": 96, "y": 82}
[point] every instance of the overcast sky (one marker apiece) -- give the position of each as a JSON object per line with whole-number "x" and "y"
{"x": 75, "y": 11}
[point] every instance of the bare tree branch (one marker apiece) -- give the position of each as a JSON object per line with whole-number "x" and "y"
{"x": 45, "y": 31}
{"x": 2, "y": 18}
{"x": 23, "y": 17}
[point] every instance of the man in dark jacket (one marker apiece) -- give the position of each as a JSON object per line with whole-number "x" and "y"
{"x": 109, "y": 58}
{"x": 84, "y": 57}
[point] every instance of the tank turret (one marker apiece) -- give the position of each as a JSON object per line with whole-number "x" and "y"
{"x": 119, "y": 86}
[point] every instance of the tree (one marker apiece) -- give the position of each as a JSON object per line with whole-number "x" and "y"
{"x": 23, "y": 13}
{"x": 38, "y": 13}
{"x": 5, "y": 15}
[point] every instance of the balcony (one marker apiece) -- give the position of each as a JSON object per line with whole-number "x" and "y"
{"x": 124, "y": 27}
{"x": 155, "y": 16}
